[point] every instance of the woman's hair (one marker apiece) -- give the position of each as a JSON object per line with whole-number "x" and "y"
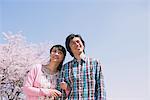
{"x": 69, "y": 38}
{"x": 61, "y": 48}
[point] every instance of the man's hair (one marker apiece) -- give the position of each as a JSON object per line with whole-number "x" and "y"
{"x": 61, "y": 48}
{"x": 69, "y": 38}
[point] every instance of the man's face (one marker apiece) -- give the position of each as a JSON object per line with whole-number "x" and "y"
{"x": 76, "y": 46}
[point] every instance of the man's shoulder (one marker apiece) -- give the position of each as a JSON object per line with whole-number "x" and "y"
{"x": 69, "y": 62}
{"x": 92, "y": 59}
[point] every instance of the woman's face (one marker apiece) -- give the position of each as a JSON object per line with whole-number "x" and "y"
{"x": 56, "y": 55}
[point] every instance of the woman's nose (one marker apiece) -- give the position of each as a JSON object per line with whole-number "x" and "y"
{"x": 56, "y": 53}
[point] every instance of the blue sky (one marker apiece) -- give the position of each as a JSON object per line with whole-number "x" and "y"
{"x": 115, "y": 31}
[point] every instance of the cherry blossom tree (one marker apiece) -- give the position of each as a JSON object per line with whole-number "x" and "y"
{"x": 16, "y": 58}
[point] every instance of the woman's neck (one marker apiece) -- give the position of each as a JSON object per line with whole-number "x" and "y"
{"x": 53, "y": 67}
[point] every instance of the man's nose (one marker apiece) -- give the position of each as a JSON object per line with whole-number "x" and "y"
{"x": 76, "y": 43}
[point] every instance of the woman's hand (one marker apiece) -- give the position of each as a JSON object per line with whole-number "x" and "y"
{"x": 55, "y": 93}
{"x": 63, "y": 85}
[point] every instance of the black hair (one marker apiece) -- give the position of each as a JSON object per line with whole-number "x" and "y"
{"x": 61, "y": 48}
{"x": 69, "y": 38}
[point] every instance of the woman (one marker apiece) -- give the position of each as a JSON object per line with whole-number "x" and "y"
{"x": 42, "y": 80}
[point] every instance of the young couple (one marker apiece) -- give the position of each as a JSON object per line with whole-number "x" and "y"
{"x": 78, "y": 79}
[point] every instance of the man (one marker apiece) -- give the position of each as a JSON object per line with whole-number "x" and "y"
{"x": 81, "y": 78}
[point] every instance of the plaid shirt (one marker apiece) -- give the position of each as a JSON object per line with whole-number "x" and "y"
{"x": 85, "y": 79}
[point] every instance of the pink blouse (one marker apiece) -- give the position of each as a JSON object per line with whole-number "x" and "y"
{"x": 38, "y": 82}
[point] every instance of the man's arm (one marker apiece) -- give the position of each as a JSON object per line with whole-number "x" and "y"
{"x": 101, "y": 92}
{"x": 63, "y": 80}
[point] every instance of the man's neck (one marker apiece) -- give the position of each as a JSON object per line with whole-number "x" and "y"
{"x": 80, "y": 56}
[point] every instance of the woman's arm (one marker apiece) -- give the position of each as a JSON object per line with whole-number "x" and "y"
{"x": 30, "y": 89}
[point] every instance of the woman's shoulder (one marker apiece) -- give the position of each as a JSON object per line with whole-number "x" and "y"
{"x": 36, "y": 67}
